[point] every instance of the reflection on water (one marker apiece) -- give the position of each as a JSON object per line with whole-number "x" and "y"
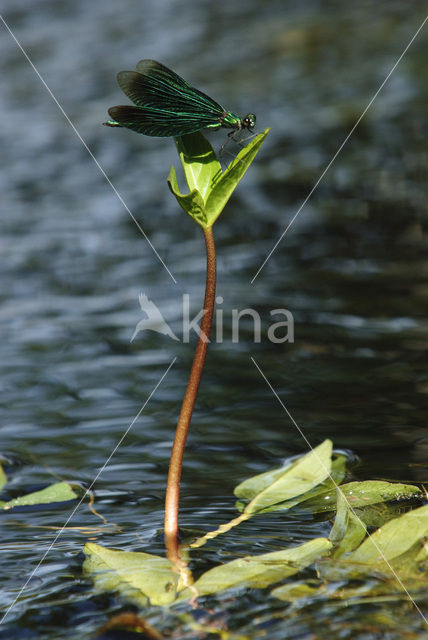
{"x": 352, "y": 270}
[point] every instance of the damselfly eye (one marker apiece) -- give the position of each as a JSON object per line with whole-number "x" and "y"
{"x": 249, "y": 121}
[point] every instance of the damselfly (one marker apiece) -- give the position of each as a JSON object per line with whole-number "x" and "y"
{"x": 167, "y": 105}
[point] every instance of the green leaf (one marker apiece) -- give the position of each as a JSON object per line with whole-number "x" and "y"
{"x": 362, "y": 494}
{"x": 375, "y": 515}
{"x": 357, "y": 592}
{"x": 422, "y": 555}
{"x": 412, "y": 565}
{"x": 141, "y": 577}
{"x": 148, "y": 579}
{"x": 401, "y": 541}
{"x": 318, "y": 499}
{"x": 251, "y": 487}
{"x": 348, "y": 531}
{"x": 199, "y": 161}
{"x": 210, "y": 189}
{"x": 268, "y": 486}
{"x": 229, "y": 180}
{"x": 275, "y": 487}
{"x": 3, "y": 477}
{"x": 264, "y": 570}
{"x": 296, "y": 591}
{"x": 396, "y": 544}
{"x": 59, "y": 492}
{"x": 393, "y": 539}
{"x": 192, "y": 203}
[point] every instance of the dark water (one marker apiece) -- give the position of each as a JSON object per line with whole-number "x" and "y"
{"x": 353, "y": 271}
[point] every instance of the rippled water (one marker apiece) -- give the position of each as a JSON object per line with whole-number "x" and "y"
{"x": 352, "y": 270}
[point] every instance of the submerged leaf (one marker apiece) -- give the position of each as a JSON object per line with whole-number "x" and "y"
{"x": 298, "y": 590}
{"x": 375, "y": 515}
{"x": 141, "y": 577}
{"x": 355, "y": 593}
{"x": 275, "y": 487}
{"x": 3, "y": 477}
{"x": 261, "y": 571}
{"x": 59, "y": 492}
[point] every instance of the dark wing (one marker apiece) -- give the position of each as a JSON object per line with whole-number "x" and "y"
{"x": 169, "y": 105}
{"x": 157, "y": 82}
{"x": 158, "y": 122}
{"x": 156, "y": 69}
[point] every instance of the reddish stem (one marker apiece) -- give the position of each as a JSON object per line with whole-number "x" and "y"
{"x": 176, "y": 461}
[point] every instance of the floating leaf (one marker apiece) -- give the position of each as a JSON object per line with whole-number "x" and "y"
{"x": 273, "y": 488}
{"x": 138, "y": 576}
{"x": 145, "y": 578}
{"x": 250, "y": 488}
{"x": 319, "y": 499}
{"x": 261, "y": 571}
{"x": 59, "y": 492}
{"x": 393, "y": 539}
{"x": 384, "y": 551}
{"x": 405, "y": 562}
{"x": 348, "y": 530}
{"x": 361, "y": 494}
{"x": 364, "y": 583}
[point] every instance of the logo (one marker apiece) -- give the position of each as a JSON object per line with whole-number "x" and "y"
{"x": 154, "y": 321}
{"x": 278, "y": 331}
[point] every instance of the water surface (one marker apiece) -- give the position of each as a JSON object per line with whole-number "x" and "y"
{"x": 352, "y": 270}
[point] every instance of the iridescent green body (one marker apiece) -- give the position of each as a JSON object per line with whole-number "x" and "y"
{"x": 167, "y": 105}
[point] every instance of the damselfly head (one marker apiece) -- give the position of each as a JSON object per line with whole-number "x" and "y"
{"x": 249, "y": 122}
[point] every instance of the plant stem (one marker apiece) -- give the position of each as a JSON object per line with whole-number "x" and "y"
{"x": 176, "y": 461}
